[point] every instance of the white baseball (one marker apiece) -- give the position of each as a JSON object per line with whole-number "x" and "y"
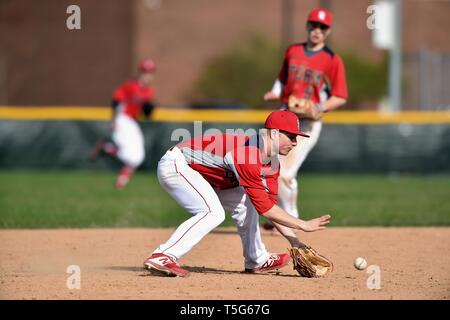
{"x": 360, "y": 263}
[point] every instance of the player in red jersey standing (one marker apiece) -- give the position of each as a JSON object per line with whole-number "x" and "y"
{"x": 239, "y": 173}
{"x": 130, "y": 100}
{"x": 313, "y": 72}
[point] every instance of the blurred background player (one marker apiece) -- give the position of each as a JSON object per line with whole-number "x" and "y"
{"x": 131, "y": 100}
{"x": 311, "y": 71}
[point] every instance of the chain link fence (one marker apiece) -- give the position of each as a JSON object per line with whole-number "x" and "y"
{"x": 426, "y": 81}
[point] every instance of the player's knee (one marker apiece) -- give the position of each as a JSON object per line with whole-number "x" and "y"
{"x": 219, "y": 214}
{"x": 138, "y": 159}
{"x": 239, "y": 215}
{"x": 286, "y": 179}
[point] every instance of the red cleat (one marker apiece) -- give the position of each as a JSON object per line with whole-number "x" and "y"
{"x": 98, "y": 149}
{"x": 124, "y": 177}
{"x": 162, "y": 264}
{"x": 268, "y": 226}
{"x": 275, "y": 261}
{"x": 121, "y": 182}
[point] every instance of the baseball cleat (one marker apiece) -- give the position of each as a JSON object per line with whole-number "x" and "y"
{"x": 275, "y": 261}
{"x": 98, "y": 149}
{"x": 162, "y": 264}
{"x": 268, "y": 226}
{"x": 121, "y": 182}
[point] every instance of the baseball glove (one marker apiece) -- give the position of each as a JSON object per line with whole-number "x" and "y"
{"x": 309, "y": 263}
{"x": 305, "y": 108}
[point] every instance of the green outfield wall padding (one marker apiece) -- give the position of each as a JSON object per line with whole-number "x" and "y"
{"x": 354, "y": 148}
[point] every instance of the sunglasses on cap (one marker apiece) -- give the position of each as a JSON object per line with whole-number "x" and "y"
{"x": 315, "y": 25}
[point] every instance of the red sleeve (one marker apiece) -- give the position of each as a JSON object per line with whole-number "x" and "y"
{"x": 249, "y": 175}
{"x": 121, "y": 92}
{"x": 260, "y": 199}
{"x": 272, "y": 184}
{"x": 338, "y": 79}
{"x": 250, "y": 178}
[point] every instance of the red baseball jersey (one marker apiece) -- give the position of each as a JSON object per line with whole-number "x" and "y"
{"x": 132, "y": 94}
{"x": 308, "y": 75}
{"x": 228, "y": 161}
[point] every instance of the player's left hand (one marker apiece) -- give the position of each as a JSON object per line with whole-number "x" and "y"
{"x": 309, "y": 263}
{"x": 271, "y": 96}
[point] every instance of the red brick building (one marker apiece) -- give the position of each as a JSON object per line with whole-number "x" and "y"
{"x": 44, "y": 63}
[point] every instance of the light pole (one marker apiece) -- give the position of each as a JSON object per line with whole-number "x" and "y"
{"x": 287, "y": 22}
{"x": 395, "y": 61}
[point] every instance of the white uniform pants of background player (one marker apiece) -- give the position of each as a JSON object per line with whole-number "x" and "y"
{"x": 206, "y": 205}
{"x": 290, "y": 164}
{"x": 128, "y": 137}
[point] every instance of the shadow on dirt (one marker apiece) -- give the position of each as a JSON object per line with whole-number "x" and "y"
{"x": 201, "y": 270}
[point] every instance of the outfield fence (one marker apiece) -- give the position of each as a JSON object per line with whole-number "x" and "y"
{"x": 355, "y": 142}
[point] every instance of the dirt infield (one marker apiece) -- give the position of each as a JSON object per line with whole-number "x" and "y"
{"x": 414, "y": 264}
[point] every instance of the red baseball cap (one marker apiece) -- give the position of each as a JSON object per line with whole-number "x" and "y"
{"x": 285, "y": 121}
{"x": 147, "y": 65}
{"x": 320, "y": 15}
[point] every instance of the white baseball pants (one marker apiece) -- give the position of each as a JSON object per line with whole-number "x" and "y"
{"x": 290, "y": 164}
{"x": 128, "y": 137}
{"x": 206, "y": 205}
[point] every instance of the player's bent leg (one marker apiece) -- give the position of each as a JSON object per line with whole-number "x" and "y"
{"x": 190, "y": 232}
{"x": 110, "y": 149}
{"x": 252, "y": 242}
{"x": 194, "y": 194}
{"x": 124, "y": 177}
{"x": 132, "y": 161}
{"x": 103, "y": 147}
{"x": 97, "y": 150}
{"x": 129, "y": 139}
{"x": 247, "y": 221}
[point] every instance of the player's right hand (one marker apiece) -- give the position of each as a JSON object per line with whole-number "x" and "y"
{"x": 316, "y": 224}
{"x": 271, "y": 96}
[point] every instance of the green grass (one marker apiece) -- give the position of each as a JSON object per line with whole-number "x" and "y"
{"x": 79, "y": 199}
